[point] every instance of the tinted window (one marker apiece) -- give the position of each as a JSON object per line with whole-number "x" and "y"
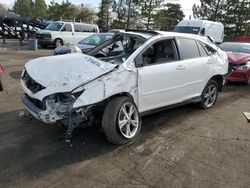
{"x": 160, "y": 52}
{"x": 84, "y": 28}
{"x": 203, "y": 52}
{"x": 189, "y": 48}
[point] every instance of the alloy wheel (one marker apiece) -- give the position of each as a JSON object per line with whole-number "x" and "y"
{"x": 128, "y": 120}
{"x": 210, "y": 95}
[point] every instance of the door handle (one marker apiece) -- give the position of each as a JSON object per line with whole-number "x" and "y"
{"x": 180, "y": 67}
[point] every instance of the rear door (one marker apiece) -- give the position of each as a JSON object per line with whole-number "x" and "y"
{"x": 198, "y": 65}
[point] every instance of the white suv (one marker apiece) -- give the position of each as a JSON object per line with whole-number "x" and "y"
{"x": 114, "y": 88}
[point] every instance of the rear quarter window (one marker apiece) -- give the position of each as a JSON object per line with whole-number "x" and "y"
{"x": 203, "y": 52}
{"x": 189, "y": 48}
{"x": 209, "y": 49}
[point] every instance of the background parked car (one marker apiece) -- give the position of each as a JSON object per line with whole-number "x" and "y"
{"x": 202, "y": 27}
{"x": 86, "y": 44}
{"x": 239, "y": 61}
{"x": 58, "y": 33}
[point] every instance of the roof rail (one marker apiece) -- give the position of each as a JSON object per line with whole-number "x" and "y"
{"x": 152, "y": 32}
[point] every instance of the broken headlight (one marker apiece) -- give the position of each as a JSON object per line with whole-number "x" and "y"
{"x": 242, "y": 67}
{"x": 77, "y": 92}
{"x": 64, "y": 97}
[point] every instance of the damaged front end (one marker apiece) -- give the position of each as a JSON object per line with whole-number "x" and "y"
{"x": 50, "y": 97}
{"x": 56, "y": 108}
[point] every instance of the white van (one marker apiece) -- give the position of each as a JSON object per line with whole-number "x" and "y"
{"x": 59, "y": 32}
{"x": 202, "y": 27}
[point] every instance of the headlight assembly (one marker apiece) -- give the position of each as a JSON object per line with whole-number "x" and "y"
{"x": 242, "y": 67}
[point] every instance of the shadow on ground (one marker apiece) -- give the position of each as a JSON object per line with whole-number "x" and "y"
{"x": 30, "y": 148}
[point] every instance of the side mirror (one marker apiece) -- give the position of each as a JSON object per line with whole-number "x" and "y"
{"x": 203, "y": 31}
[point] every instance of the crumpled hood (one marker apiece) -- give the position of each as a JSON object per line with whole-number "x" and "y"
{"x": 66, "y": 71}
{"x": 237, "y": 58}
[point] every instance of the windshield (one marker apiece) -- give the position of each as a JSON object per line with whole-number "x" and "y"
{"x": 236, "y": 47}
{"x": 119, "y": 49}
{"x": 184, "y": 29}
{"x": 54, "y": 26}
{"x": 95, "y": 39}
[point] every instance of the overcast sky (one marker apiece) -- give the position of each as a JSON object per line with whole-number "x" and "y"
{"x": 186, "y": 4}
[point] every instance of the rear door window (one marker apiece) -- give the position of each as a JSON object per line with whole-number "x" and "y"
{"x": 189, "y": 48}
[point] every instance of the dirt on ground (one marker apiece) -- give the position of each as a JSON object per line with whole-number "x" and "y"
{"x": 181, "y": 147}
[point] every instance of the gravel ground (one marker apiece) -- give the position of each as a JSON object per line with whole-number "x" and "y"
{"x": 181, "y": 147}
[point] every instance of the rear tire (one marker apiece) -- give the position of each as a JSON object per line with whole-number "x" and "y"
{"x": 121, "y": 121}
{"x": 209, "y": 95}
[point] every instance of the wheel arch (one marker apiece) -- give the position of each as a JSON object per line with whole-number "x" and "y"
{"x": 58, "y": 38}
{"x": 219, "y": 79}
{"x": 122, "y": 94}
{"x": 104, "y": 103}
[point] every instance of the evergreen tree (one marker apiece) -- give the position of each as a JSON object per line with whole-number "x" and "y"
{"x": 24, "y": 7}
{"x": 168, "y": 17}
{"x": 85, "y": 14}
{"x": 234, "y": 14}
{"x": 104, "y": 13}
{"x": 148, "y": 9}
{"x": 40, "y": 9}
{"x": 65, "y": 10}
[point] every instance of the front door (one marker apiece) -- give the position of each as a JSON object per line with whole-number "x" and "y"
{"x": 162, "y": 77}
{"x": 67, "y": 34}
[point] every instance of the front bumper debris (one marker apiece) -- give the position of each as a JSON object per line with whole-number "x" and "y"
{"x": 45, "y": 116}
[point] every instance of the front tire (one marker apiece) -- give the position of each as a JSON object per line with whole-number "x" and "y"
{"x": 58, "y": 42}
{"x": 209, "y": 95}
{"x": 121, "y": 121}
